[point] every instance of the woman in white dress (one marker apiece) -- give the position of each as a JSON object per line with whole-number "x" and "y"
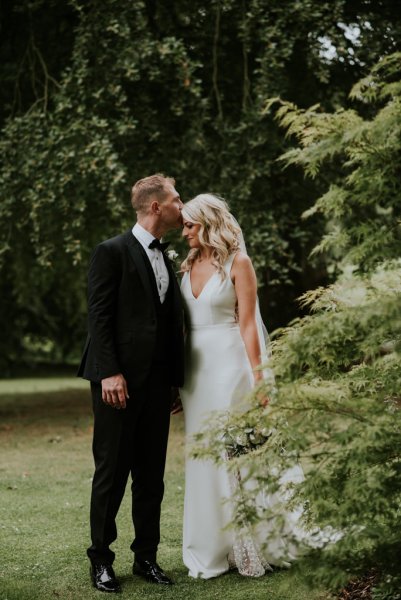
{"x": 220, "y": 291}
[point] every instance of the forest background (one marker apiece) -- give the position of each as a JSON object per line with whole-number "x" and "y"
{"x": 96, "y": 94}
{"x": 289, "y": 109}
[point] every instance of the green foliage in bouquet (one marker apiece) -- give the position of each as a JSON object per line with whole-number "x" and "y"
{"x": 240, "y": 441}
{"x": 337, "y": 401}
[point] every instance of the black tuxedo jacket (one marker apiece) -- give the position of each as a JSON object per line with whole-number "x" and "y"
{"x": 122, "y": 315}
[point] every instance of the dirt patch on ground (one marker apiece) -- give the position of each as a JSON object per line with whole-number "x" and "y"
{"x": 360, "y": 589}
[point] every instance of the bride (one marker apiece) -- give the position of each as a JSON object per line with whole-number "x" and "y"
{"x": 225, "y": 347}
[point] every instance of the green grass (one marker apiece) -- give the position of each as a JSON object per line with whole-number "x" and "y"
{"x": 45, "y": 479}
{"x": 32, "y": 385}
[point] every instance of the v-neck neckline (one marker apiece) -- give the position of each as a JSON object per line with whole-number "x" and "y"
{"x": 201, "y": 292}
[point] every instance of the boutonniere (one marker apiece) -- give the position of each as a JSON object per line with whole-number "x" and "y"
{"x": 172, "y": 255}
{"x": 174, "y": 260}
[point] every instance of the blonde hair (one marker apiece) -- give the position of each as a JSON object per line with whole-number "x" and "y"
{"x": 144, "y": 189}
{"x": 218, "y": 231}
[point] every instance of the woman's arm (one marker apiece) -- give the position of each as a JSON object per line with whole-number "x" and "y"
{"x": 244, "y": 279}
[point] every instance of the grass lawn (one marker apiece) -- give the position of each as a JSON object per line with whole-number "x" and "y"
{"x": 45, "y": 478}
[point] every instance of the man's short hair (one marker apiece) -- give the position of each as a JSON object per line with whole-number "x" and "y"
{"x": 143, "y": 190}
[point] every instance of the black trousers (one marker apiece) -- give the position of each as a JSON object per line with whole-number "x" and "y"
{"x": 130, "y": 441}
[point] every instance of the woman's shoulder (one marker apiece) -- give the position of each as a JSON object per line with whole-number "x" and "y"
{"x": 242, "y": 268}
{"x": 240, "y": 264}
{"x": 241, "y": 260}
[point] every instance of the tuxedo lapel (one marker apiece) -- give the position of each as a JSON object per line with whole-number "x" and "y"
{"x": 175, "y": 284}
{"x": 169, "y": 267}
{"x": 138, "y": 256}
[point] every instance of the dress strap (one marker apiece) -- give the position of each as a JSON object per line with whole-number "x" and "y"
{"x": 229, "y": 263}
{"x": 184, "y": 279}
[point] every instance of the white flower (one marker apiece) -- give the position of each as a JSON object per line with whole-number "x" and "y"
{"x": 172, "y": 254}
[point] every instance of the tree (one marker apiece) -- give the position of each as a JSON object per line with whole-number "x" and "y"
{"x": 336, "y": 405}
{"x": 97, "y": 94}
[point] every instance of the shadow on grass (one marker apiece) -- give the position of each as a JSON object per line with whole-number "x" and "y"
{"x": 57, "y": 407}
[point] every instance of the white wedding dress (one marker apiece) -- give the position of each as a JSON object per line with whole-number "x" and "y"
{"x": 218, "y": 377}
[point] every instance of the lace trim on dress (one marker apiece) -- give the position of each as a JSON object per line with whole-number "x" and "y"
{"x": 246, "y": 555}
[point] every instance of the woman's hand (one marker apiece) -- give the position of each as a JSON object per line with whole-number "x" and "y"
{"x": 261, "y": 395}
{"x": 263, "y": 398}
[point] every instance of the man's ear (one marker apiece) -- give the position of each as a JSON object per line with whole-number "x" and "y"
{"x": 155, "y": 207}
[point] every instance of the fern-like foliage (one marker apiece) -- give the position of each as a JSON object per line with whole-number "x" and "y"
{"x": 362, "y": 205}
{"x": 336, "y": 405}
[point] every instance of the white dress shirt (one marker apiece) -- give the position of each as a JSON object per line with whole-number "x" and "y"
{"x": 156, "y": 259}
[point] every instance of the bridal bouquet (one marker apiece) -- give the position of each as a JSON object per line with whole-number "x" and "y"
{"x": 242, "y": 441}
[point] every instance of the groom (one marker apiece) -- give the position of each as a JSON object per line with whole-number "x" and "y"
{"x": 133, "y": 357}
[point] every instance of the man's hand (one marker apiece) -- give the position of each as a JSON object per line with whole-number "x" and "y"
{"x": 114, "y": 391}
{"x": 176, "y": 404}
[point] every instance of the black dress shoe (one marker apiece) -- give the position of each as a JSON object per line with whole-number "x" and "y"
{"x": 104, "y": 579}
{"x": 151, "y": 572}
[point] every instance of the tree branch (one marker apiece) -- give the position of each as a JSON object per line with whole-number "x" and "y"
{"x": 246, "y": 83}
{"x": 215, "y": 67}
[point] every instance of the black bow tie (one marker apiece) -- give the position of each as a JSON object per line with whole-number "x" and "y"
{"x": 158, "y": 244}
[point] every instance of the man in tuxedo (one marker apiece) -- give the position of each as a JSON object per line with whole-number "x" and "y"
{"x": 134, "y": 359}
